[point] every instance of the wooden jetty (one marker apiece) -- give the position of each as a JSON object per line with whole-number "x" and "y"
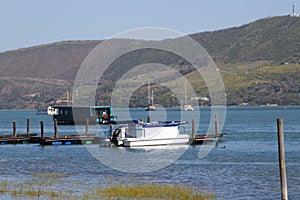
{"x": 71, "y": 139}
{"x": 86, "y": 138}
{"x": 201, "y": 139}
{"x": 34, "y": 138}
{"x": 17, "y": 139}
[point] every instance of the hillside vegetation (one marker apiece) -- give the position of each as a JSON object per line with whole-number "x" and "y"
{"x": 259, "y": 63}
{"x": 276, "y": 39}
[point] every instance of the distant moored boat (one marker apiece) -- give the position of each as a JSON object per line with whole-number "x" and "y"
{"x": 151, "y": 106}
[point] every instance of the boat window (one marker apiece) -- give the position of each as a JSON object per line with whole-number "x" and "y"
{"x": 181, "y": 129}
{"x": 140, "y": 132}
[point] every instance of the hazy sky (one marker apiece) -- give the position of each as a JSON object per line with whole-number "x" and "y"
{"x": 33, "y": 22}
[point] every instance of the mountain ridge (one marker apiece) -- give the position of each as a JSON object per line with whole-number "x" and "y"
{"x": 262, "y": 38}
{"x": 274, "y": 41}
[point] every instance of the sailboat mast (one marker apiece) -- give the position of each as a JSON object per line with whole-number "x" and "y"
{"x": 149, "y": 100}
{"x": 184, "y": 92}
{"x": 150, "y": 106}
{"x": 152, "y": 101}
{"x": 68, "y": 97}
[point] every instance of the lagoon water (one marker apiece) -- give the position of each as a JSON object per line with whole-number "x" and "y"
{"x": 243, "y": 166}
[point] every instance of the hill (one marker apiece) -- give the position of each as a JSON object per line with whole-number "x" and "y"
{"x": 276, "y": 39}
{"x": 258, "y": 61}
{"x": 59, "y": 60}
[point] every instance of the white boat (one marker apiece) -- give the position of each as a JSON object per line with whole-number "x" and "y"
{"x": 188, "y": 107}
{"x": 51, "y": 110}
{"x": 185, "y": 106}
{"x": 149, "y": 134}
{"x": 151, "y": 108}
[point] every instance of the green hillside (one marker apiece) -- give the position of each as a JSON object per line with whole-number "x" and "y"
{"x": 276, "y": 39}
{"x": 259, "y": 63}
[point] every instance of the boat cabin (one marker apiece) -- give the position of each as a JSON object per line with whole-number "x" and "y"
{"x": 149, "y": 134}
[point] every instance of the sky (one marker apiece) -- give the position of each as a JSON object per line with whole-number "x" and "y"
{"x": 34, "y": 22}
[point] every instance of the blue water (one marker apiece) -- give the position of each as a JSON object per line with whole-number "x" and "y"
{"x": 244, "y": 166}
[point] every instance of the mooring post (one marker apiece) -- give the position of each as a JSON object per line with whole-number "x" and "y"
{"x": 55, "y": 128}
{"x": 42, "y": 130}
{"x": 148, "y": 119}
{"x": 87, "y": 126}
{"x": 193, "y": 132}
{"x": 28, "y": 126}
{"x": 284, "y": 193}
{"x": 216, "y": 124}
{"x": 14, "y": 129}
{"x": 111, "y": 129}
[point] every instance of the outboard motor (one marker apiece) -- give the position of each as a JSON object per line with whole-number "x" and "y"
{"x": 118, "y": 136}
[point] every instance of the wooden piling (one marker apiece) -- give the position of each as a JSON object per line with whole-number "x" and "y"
{"x": 193, "y": 132}
{"x": 87, "y": 126}
{"x": 42, "y": 130}
{"x": 148, "y": 119}
{"x": 14, "y": 129}
{"x": 111, "y": 128}
{"x": 216, "y": 124}
{"x": 28, "y": 126}
{"x": 284, "y": 193}
{"x": 55, "y": 128}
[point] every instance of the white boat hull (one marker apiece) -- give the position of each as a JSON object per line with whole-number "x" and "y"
{"x": 139, "y": 142}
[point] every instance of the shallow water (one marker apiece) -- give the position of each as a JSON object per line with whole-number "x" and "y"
{"x": 244, "y": 166}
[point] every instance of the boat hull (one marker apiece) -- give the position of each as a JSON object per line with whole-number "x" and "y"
{"x": 140, "y": 142}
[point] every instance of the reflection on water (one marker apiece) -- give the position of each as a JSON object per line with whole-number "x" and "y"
{"x": 137, "y": 160}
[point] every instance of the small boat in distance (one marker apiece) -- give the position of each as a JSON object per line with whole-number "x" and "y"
{"x": 139, "y": 134}
{"x": 188, "y": 107}
{"x": 50, "y": 110}
{"x": 151, "y": 106}
{"x": 185, "y": 106}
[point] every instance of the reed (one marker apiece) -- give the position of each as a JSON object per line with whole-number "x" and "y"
{"x": 153, "y": 192}
{"x": 38, "y": 187}
{"x": 47, "y": 186}
{"x": 3, "y": 186}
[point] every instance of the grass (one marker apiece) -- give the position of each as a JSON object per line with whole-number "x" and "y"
{"x": 47, "y": 186}
{"x": 243, "y": 75}
{"x": 39, "y": 186}
{"x": 155, "y": 192}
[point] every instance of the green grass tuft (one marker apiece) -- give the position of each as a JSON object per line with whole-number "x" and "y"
{"x": 154, "y": 192}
